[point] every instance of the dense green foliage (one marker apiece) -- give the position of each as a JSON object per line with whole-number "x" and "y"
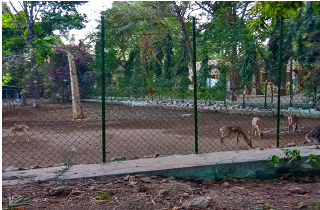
{"x": 148, "y": 48}
{"x": 28, "y": 40}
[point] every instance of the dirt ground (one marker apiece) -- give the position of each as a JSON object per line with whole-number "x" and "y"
{"x": 131, "y": 132}
{"x": 168, "y": 193}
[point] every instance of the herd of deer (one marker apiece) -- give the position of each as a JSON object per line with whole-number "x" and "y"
{"x": 226, "y": 131}
{"x": 293, "y": 122}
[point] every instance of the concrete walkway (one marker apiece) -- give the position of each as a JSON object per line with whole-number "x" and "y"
{"x": 154, "y": 166}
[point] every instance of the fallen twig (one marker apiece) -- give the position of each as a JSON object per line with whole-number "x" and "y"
{"x": 115, "y": 197}
{"x": 153, "y": 200}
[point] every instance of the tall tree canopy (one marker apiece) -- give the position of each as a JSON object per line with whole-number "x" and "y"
{"x": 149, "y": 49}
{"x": 35, "y": 24}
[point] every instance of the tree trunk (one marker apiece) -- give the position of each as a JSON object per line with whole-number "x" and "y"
{"x": 257, "y": 83}
{"x": 76, "y": 101}
{"x": 30, "y": 39}
{"x": 233, "y": 87}
{"x": 184, "y": 31}
{"x": 34, "y": 80}
{"x": 34, "y": 70}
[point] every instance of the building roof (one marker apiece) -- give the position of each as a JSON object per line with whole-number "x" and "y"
{"x": 6, "y": 87}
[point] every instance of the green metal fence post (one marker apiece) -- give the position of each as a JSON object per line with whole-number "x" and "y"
{"x": 195, "y": 102}
{"x": 279, "y": 83}
{"x": 103, "y": 96}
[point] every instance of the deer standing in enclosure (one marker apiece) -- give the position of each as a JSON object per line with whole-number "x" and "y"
{"x": 20, "y": 128}
{"x": 294, "y": 123}
{"x": 313, "y": 136}
{"x": 226, "y": 131}
{"x": 256, "y": 127}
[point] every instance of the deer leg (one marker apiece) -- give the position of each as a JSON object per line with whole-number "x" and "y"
{"x": 221, "y": 140}
{"x": 290, "y": 128}
{"x": 298, "y": 126}
{"x": 224, "y": 144}
{"x": 259, "y": 131}
{"x": 290, "y": 124}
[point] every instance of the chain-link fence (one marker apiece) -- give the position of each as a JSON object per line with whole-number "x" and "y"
{"x": 149, "y": 108}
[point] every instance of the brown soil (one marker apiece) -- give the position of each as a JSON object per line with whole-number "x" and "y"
{"x": 132, "y": 132}
{"x": 168, "y": 193}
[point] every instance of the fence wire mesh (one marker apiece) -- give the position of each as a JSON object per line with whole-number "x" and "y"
{"x": 149, "y": 99}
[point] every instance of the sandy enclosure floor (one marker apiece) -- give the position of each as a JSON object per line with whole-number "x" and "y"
{"x": 131, "y": 132}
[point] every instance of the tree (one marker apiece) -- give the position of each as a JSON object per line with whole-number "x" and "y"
{"x": 308, "y": 43}
{"x": 6, "y": 79}
{"x": 225, "y": 38}
{"x": 76, "y": 101}
{"x": 37, "y": 20}
{"x": 263, "y": 11}
{"x": 139, "y": 29}
{"x": 204, "y": 71}
{"x": 307, "y": 40}
{"x": 287, "y": 51}
{"x": 182, "y": 69}
{"x": 308, "y": 52}
{"x": 168, "y": 62}
{"x": 180, "y": 11}
{"x": 59, "y": 70}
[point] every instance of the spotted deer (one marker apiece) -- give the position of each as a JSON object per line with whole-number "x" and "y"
{"x": 226, "y": 131}
{"x": 256, "y": 127}
{"x": 293, "y": 121}
{"x": 20, "y": 128}
{"x": 313, "y": 136}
